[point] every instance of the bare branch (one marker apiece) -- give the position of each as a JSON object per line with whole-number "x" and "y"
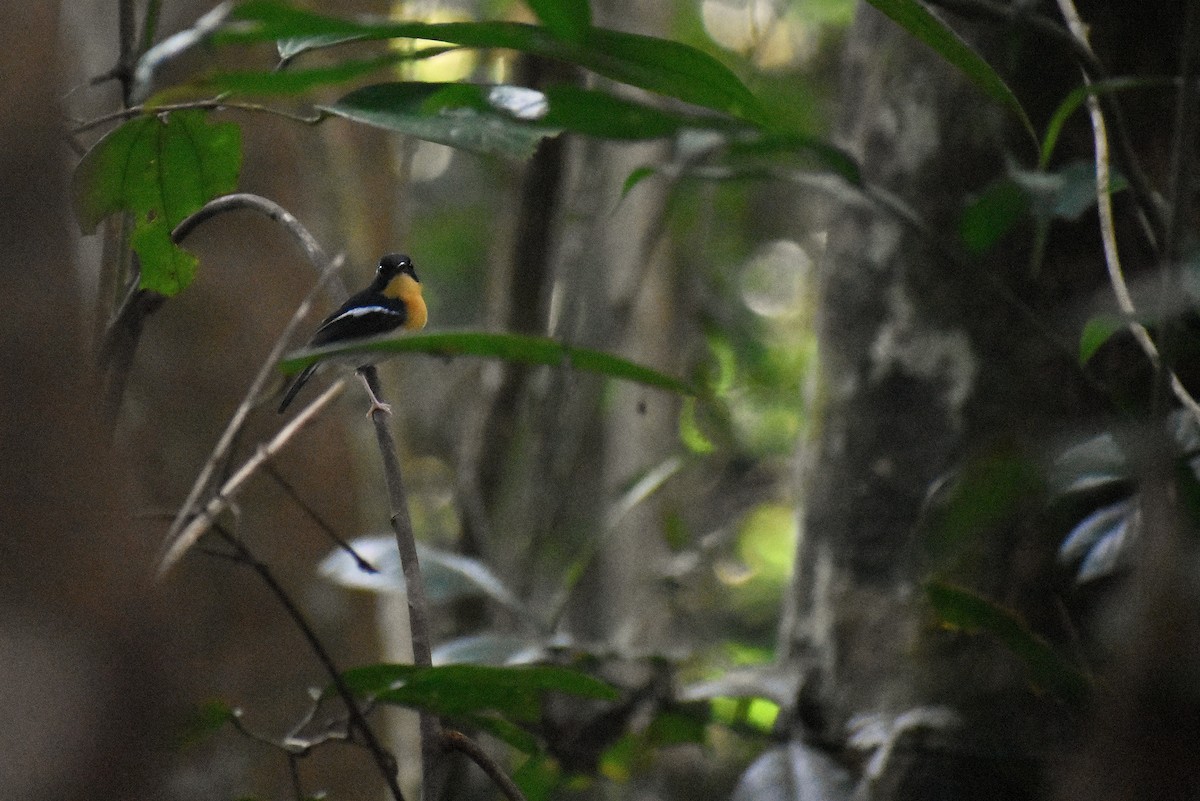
{"x": 243, "y": 411}
{"x": 196, "y": 526}
{"x": 384, "y": 759}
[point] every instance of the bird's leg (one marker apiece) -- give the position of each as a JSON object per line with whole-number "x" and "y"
{"x": 376, "y": 403}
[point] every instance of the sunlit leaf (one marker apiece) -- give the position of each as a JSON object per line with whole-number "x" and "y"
{"x": 961, "y": 609}
{"x": 510, "y": 347}
{"x": 161, "y": 168}
{"x": 914, "y": 18}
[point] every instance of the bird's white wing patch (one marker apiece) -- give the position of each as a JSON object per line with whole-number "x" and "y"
{"x": 364, "y": 311}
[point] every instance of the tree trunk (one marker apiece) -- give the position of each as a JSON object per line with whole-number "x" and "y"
{"x": 935, "y": 368}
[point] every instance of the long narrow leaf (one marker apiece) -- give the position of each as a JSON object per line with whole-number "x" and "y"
{"x": 658, "y": 65}
{"x": 290, "y": 82}
{"x": 510, "y": 347}
{"x": 914, "y": 18}
{"x": 961, "y": 609}
{"x": 514, "y": 692}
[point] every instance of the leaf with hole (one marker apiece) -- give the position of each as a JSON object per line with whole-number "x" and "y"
{"x": 515, "y": 693}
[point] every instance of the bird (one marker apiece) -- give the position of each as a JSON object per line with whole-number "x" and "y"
{"x": 393, "y": 300}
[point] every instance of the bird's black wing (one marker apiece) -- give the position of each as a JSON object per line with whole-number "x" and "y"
{"x": 364, "y": 315}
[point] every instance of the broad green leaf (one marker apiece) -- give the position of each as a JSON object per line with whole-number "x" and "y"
{"x": 914, "y": 18}
{"x": 291, "y": 82}
{"x": 658, "y": 65}
{"x": 962, "y": 609}
{"x": 458, "y": 690}
{"x": 160, "y": 168}
{"x": 567, "y": 19}
{"x": 457, "y": 115}
{"x": 510, "y": 347}
{"x": 1097, "y": 331}
{"x": 992, "y": 215}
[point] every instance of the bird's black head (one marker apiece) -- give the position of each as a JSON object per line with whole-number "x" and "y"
{"x": 394, "y": 264}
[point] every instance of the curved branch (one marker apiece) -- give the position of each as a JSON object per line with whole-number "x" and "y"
{"x": 464, "y": 744}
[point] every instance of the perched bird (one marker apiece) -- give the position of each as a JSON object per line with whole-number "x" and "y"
{"x": 393, "y": 300}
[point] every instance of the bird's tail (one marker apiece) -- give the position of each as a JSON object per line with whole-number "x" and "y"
{"x": 294, "y": 389}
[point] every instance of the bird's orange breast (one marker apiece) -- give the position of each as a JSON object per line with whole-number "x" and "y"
{"x": 407, "y": 290}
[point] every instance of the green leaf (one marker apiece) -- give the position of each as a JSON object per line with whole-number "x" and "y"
{"x": 1097, "y": 331}
{"x": 992, "y": 215}
{"x": 470, "y": 690}
{"x": 1065, "y": 193}
{"x": 510, "y": 347}
{"x": 457, "y": 115}
{"x": 567, "y": 19}
{"x": 962, "y": 609}
{"x": 292, "y": 82}
{"x": 160, "y": 168}
{"x": 658, "y": 65}
{"x": 914, "y": 18}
